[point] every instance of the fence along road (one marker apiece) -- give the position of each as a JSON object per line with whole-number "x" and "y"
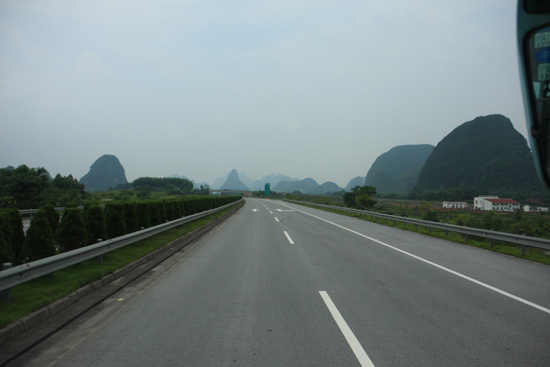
{"x": 483, "y": 233}
{"x": 342, "y": 292}
{"x": 23, "y": 273}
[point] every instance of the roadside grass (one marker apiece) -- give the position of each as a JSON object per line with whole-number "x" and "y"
{"x": 39, "y": 292}
{"x": 531, "y": 253}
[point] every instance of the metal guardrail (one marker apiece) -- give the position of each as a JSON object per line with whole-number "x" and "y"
{"x": 23, "y": 273}
{"x": 482, "y": 233}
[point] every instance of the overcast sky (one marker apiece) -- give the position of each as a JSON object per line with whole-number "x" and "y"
{"x": 305, "y": 88}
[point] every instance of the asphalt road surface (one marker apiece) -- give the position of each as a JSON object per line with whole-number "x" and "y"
{"x": 283, "y": 285}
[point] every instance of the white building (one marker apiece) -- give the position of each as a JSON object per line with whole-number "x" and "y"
{"x": 540, "y": 209}
{"x": 478, "y": 201}
{"x": 455, "y": 205}
{"x": 496, "y": 204}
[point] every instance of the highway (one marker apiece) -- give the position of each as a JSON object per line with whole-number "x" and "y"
{"x": 279, "y": 284}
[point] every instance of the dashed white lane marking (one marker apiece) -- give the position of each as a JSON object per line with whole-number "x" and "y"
{"x": 277, "y": 219}
{"x": 500, "y": 291}
{"x": 288, "y": 238}
{"x": 358, "y": 350}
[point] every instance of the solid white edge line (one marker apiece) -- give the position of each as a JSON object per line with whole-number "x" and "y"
{"x": 500, "y": 291}
{"x": 288, "y": 238}
{"x": 358, "y": 350}
{"x": 276, "y": 219}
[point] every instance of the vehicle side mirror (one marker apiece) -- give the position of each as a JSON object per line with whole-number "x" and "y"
{"x": 534, "y": 58}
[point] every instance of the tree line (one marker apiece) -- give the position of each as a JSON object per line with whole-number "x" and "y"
{"x": 163, "y": 183}
{"x": 28, "y": 188}
{"x": 50, "y": 234}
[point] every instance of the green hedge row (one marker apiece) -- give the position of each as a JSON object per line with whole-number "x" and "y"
{"x": 48, "y": 235}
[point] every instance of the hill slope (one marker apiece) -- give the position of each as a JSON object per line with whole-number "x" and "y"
{"x": 106, "y": 172}
{"x": 396, "y": 171}
{"x": 356, "y": 181}
{"x": 233, "y": 182}
{"x": 486, "y": 154}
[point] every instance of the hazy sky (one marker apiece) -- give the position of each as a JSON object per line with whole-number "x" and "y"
{"x": 305, "y": 88}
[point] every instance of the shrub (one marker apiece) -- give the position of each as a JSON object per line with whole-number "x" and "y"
{"x": 15, "y": 221}
{"x": 39, "y": 242}
{"x": 72, "y": 231}
{"x": 177, "y": 209}
{"x": 430, "y": 215}
{"x": 96, "y": 227}
{"x": 53, "y": 217}
{"x": 114, "y": 219}
{"x": 144, "y": 221}
{"x": 6, "y": 248}
{"x": 130, "y": 217}
{"x": 162, "y": 211}
{"x": 154, "y": 213}
{"x": 169, "y": 205}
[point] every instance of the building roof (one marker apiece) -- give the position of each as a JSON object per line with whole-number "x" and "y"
{"x": 502, "y": 201}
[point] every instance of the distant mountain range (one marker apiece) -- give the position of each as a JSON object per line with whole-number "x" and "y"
{"x": 254, "y": 185}
{"x": 486, "y": 155}
{"x": 306, "y": 186}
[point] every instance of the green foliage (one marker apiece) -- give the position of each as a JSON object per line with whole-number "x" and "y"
{"x": 130, "y": 217}
{"x": 360, "y": 197}
{"x": 72, "y": 231}
{"x": 114, "y": 218}
{"x": 160, "y": 184}
{"x": 189, "y": 207}
{"x": 15, "y": 222}
{"x": 53, "y": 217}
{"x": 154, "y": 213}
{"x": 39, "y": 242}
{"x": 27, "y": 186}
{"x": 364, "y": 202}
{"x": 518, "y": 214}
{"x": 96, "y": 226}
{"x": 162, "y": 211}
{"x": 7, "y": 254}
{"x": 467, "y": 220}
{"x": 144, "y": 194}
{"x": 169, "y": 205}
{"x": 430, "y": 215}
{"x": 177, "y": 209}
{"x": 492, "y": 220}
{"x": 143, "y": 218}
{"x": 203, "y": 190}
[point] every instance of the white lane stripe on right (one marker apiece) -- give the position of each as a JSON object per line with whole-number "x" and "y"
{"x": 358, "y": 350}
{"x": 498, "y": 290}
{"x": 277, "y": 219}
{"x": 288, "y": 238}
